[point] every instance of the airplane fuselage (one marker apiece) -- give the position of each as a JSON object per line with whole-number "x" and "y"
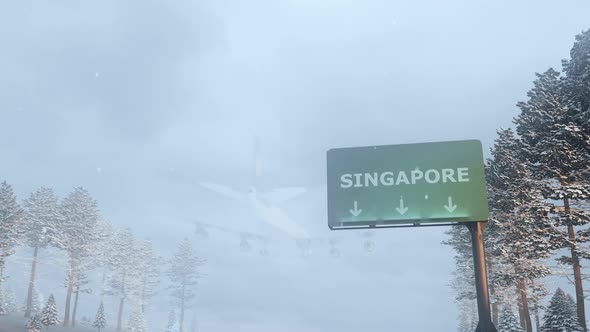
{"x": 276, "y": 217}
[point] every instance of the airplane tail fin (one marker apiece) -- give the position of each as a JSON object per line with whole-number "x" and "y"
{"x": 258, "y": 160}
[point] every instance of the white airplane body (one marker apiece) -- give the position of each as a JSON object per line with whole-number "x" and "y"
{"x": 265, "y": 208}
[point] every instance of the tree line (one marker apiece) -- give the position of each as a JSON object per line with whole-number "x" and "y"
{"x": 126, "y": 268}
{"x": 538, "y": 177}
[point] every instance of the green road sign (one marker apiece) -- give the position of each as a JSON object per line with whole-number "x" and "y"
{"x": 422, "y": 183}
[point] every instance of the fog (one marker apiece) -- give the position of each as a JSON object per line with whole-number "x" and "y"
{"x": 142, "y": 101}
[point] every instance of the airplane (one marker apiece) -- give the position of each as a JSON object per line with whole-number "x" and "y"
{"x": 265, "y": 206}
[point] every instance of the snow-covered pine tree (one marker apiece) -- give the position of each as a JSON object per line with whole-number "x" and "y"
{"x": 463, "y": 322}
{"x": 474, "y": 318}
{"x": 561, "y": 314}
{"x": 571, "y": 304}
{"x": 37, "y": 303}
{"x": 519, "y": 212}
{"x": 184, "y": 274}
{"x": 577, "y": 86}
{"x": 106, "y": 234}
{"x": 556, "y": 148}
{"x": 136, "y": 322}
{"x": 79, "y": 225}
{"x": 41, "y": 220}
{"x": 172, "y": 325}
{"x": 49, "y": 315}
{"x": 11, "y": 228}
{"x": 10, "y": 305}
{"x": 124, "y": 269}
{"x": 577, "y": 77}
{"x": 80, "y": 284}
{"x": 100, "y": 322}
{"x": 33, "y": 324}
{"x": 538, "y": 292}
{"x": 463, "y": 277}
{"x": 508, "y": 321}
{"x": 149, "y": 270}
{"x": 2, "y": 304}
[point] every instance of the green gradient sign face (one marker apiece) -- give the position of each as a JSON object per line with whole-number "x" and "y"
{"x": 406, "y": 184}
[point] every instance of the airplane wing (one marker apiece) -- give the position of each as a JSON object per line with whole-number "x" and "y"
{"x": 275, "y": 216}
{"x": 223, "y": 190}
{"x": 281, "y": 195}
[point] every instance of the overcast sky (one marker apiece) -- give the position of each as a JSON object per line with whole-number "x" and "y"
{"x": 139, "y": 101}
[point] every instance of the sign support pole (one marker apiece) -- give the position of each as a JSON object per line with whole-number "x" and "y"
{"x": 481, "y": 278}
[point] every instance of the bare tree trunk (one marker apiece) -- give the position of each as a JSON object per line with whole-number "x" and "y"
{"x": 495, "y": 313}
{"x": 120, "y": 315}
{"x": 536, "y": 308}
{"x": 143, "y": 295}
{"x": 537, "y": 319}
{"x": 1, "y": 273}
{"x": 75, "y": 306}
{"x": 121, "y": 304}
{"x": 31, "y": 283}
{"x": 493, "y": 293}
{"x": 520, "y": 309}
{"x": 182, "y": 308}
{"x": 70, "y": 289}
{"x": 194, "y": 323}
{"x": 525, "y": 305}
{"x": 103, "y": 284}
{"x": 577, "y": 269}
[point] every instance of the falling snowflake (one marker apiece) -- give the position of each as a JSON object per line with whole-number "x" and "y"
{"x": 98, "y": 170}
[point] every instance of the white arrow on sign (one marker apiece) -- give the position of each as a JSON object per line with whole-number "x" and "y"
{"x": 402, "y": 209}
{"x": 450, "y": 206}
{"x": 356, "y": 211}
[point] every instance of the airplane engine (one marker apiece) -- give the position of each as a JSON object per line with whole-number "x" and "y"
{"x": 245, "y": 245}
{"x": 369, "y": 246}
{"x": 305, "y": 247}
{"x": 335, "y": 252}
{"x": 201, "y": 232}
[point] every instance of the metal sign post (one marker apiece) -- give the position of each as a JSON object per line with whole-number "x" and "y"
{"x": 481, "y": 278}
